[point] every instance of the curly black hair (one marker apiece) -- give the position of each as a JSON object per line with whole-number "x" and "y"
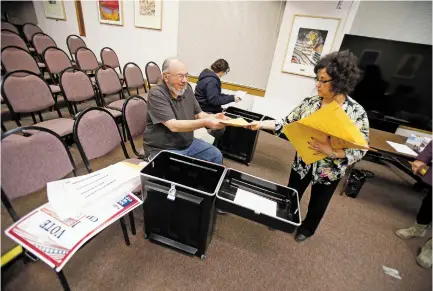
{"x": 343, "y": 69}
{"x": 220, "y": 65}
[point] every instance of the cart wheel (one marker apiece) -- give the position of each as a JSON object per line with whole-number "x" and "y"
{"x": 248, "y": 164}
{"x": 146, "y": 236}
{"x": 202, "y": 257}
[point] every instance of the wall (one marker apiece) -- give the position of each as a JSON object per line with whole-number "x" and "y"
{"x": 242, "y": 32}
{"x": 409, "y": 21}
{"x": 134, "y": 44}
{"x": 285, "y": 91}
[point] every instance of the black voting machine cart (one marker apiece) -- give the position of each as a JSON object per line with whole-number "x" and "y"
{"x": 181, "y": 194}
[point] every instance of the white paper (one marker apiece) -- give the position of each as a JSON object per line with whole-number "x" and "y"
{"x": 256, "y": 202}
{"x": 392, "y": 272}
{"x": 401, "y": 148}
{"x": 70, "y": 197}
{"x": 240, "y": 94}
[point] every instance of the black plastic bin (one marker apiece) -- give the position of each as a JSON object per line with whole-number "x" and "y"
{"x": 287, "y": 215}
{"x": 239, "y": 143}
{"x": 179, "y": 201}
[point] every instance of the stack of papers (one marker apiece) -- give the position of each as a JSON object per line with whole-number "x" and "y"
{"x": 70, "y": 197}
{"x": 329, "y": 121}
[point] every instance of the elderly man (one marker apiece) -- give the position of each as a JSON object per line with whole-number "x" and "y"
{"x": 173, "y": 115}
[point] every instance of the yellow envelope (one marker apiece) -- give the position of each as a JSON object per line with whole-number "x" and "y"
{"x": 238, "y": 122}
{"x": 329, "y": 121}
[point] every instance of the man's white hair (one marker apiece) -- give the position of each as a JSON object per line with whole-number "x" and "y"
{"x": 167, "y": 63}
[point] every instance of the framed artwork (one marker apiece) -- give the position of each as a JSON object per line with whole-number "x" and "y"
{"x": 148, "y": 14}
{"x": 408, "y": 66}
{"x": 110, "y": 12}
{"x": 54, "y": 9}
{"x": 311, "y": 38}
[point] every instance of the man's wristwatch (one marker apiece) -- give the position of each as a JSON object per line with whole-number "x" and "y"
{"x": 333, "y": 155}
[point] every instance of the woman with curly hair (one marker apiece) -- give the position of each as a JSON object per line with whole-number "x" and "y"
{"x": 336, "y": 76}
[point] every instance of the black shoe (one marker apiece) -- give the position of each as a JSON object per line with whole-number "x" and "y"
{"x": 221, "y": 212}
{"x": 299, "y": 237}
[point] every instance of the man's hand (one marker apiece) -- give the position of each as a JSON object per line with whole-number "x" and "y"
{"x": 323, "y": 148}
{"x": 417, "y": 165}
{"x": 221, "y": 116}
{"x": 214, "y": 123}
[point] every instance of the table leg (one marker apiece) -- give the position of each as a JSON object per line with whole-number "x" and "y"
{"x": 124, "y": 230}
{"x": 63, "y": 281}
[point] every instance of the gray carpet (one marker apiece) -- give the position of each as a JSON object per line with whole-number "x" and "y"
{"x": 355, "y": 239}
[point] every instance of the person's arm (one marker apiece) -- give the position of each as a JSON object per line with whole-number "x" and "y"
{"x": 278, "y": 124}
{"x": 215, "y": 97}
{"x": 185, "y": 125}
{"x": 426, "y": 155}
{"x": 423, "y": 158}
{"x": 159, "y": 110}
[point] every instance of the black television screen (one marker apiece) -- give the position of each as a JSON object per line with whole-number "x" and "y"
{"x": 395, "y": 87}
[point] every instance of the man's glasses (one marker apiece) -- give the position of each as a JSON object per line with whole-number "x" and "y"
{"x": 180, "y": 77}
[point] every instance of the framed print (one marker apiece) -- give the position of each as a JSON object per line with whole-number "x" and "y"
{"x": 110, "y": 12}
{"x": 148, "y": 14}
{"x": 311, "y": 38}
{"x": 54, "y": 9}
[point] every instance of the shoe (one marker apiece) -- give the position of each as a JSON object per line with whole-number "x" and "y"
{"x": 416, "y": 230}
{"x": 299, "y": 237}
{"x": 424, "y": 259}
{"x": 221, "y": 212}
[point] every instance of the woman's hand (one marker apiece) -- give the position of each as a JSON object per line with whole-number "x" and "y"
{"x": 322, "y": 148}
{"x": 255, "y": 125}
{"x": 417, "y": 165}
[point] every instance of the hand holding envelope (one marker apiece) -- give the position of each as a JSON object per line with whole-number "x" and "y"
{"x": 329, "y": 125}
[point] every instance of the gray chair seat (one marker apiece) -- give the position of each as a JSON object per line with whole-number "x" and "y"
{"x": 55, "y": 89}
{"x": 117, "y": 105}
{"x": 61, "y": 126}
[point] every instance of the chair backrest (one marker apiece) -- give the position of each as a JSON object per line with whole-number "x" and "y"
{"x": 30, "y": 162}
{"x": 153, "y": 73}
{"x": 41, "y": 41}
{"x": 9, "y": 26}
{"x": 109, "y": 58}
{"x": 135, "y": 115}
{"x": 76, "y": 85}
{"x": 74, "y": 42}
{"x": 9, "y": 38}
{"x": 96, "y": 134}
{"x": 25, "y": 91}
{"x": 133, "y": 76}
{"x": 15, "y": 58}
{"x": 108, "y": 81}
{"x": 56, "y": 60}
{"x": 29, "y": 30}
{"x": 86, "y": 59}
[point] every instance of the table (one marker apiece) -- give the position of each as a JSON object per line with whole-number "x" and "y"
{"x": 378, "y": 141}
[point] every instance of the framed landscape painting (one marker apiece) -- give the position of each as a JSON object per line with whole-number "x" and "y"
{"x": 310, "y": 39}
{"x": 148, "y": 14}
{"x": 110, "y": 12}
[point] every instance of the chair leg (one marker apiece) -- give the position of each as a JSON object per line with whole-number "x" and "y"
{"x": 124, "y": 230}
{"x": 34, "y": 118}
{"x": 40, "y": 116}
{"x": 132, "y": 222}
{"x": 63, "y": 281}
